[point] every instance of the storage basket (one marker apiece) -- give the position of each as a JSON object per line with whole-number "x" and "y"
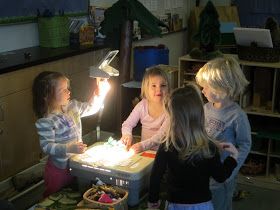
{"x": 53, "y": 31}
{"x": 259, "y": 54}
{"x": 120, "y": 204}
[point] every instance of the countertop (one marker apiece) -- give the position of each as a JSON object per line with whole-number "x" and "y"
{"x": 27, "y": 57}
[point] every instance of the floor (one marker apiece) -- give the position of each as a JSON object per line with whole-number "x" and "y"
{"x": 257, "y": 198}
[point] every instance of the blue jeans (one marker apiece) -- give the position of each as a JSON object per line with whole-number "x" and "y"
{"x": 199, "y": 206}
{"x": 222, "y": 194}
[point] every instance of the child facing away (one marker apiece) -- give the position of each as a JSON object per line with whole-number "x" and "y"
{"x": 222, "y": 80}
{"x": 59, "y": 125}
{"x": 189, "y": 155}
{"x": 149, "y": 111}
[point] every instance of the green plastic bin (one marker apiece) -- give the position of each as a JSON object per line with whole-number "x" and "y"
{"x": 53, "y": 31}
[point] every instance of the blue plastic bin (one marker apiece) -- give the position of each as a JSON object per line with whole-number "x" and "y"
{"x": 147, "y": 56}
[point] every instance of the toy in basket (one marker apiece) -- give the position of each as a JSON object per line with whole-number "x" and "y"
{"x": 106, "y": 197}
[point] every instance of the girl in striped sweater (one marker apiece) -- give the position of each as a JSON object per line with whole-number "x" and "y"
{"x": 59, "y": 124}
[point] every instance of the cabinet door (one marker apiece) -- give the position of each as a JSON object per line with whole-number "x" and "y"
{"x": 18, "y": 139}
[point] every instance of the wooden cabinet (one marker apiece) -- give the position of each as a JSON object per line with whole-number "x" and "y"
{"x": 261, "y": 101}
{"x": 19, "y": 144}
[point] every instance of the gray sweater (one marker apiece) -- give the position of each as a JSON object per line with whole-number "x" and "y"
{"x": 229, "y": 124}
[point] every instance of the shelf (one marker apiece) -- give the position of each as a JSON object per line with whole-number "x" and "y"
{"x": 262, "y": 112}
{"x": 269, "y": 182}
{"x": 275, "y": 65}
{"x": 258, "y": 153}
{"x": 276, "y": 155}
{"x": 254, "y": 133}
{"x": 275, "y": 135}
{"x": 147, "y": 37}
{"x": 189, "y": 73}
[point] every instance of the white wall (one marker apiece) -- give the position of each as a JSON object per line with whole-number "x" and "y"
{"x": 18, "y": 36}
{"x": 102, "y": 3}
{"x": 216, "y": 2}
{"x": 183, "y": 11}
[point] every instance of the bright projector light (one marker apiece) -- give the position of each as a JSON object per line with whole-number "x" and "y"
{"x": 111, "y": 153}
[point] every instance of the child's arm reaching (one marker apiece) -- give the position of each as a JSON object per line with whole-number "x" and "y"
{"x": 127, "y": 140}
{"x": 243, "y": 140}
{"x": 76, "y": 147}
{"x": 154, "y": 141}
{"x": 52, "y": 144}
{"x": 220, "y": 171}
{"x": 101, "y": 91}
{"x": 130, "y": 123}
{"x": 230, "y": 148}
{"x": 97, "y": 99}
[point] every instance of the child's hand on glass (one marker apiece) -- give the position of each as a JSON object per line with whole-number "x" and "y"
{"x": 229, "y": 147}
{"x": 126, "y": 140}
{"x": 76, "y": 147}
{"x": 137, "y": 148}
{"x": 103, "y": 87}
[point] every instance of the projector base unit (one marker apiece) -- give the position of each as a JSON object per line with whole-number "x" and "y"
{"x": 137, "y": 189}
{"x": 132, "y": 174}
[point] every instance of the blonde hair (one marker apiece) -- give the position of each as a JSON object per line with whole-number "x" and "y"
{"x": 151, "y": 72}
{"x": 224, "y": 76}
{"x": 186, "y": 132}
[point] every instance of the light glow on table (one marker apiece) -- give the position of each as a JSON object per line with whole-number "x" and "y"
{"x": 111, "y": 153}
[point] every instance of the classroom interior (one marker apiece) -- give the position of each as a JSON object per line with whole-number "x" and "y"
{"x": 26, "y": 50}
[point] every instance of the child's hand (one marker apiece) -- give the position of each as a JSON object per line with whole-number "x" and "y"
{"x": 127, "y": 140}
{"x": 76, "y": 147}
{"x": 103, "y": 87}
{"x": 230, "y": 148}
{"x": 137, "y": 148}
{"x": 154, "y": 205}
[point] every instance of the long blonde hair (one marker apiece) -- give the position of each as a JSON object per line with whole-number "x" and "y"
{"x": 151, "y": 72}
{"x": 223, "y": 75}
{"x": 186, "y": 132}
